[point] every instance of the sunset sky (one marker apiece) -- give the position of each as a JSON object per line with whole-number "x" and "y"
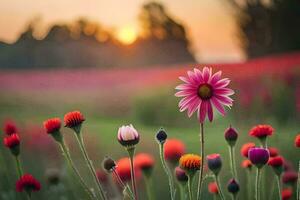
{"x": 209, "y": 23}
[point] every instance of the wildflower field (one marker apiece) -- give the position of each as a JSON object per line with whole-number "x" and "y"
{"x": 73, "y": 132}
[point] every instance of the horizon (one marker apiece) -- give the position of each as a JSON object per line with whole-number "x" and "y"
{"x": 208, "y": 42}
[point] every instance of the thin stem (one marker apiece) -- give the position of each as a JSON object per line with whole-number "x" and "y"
{"x": 219, "y": 187}
{"x": 182, "y": 190}
{"x": 190, "y": 181}
{"x": 233, "y": 196}
{"x": 133, "y": 182}
{"x": 28, "y": 195}
{"x": 232, "y": 162}
{"x": 202, "y": 161}
{"x": 148, "y": 184}
{"x": 19, "y": 168}
{"x": 89, "y": 164}
{"x": 279, "y": 186}
{"x": 249, "y": 184}
{"x": 167, "y": 171}
{"x": 298, "y": 184}
{"x": 257, "y": 182}
{"x": 126, "y": 187}
{"x": 67, "y": 156}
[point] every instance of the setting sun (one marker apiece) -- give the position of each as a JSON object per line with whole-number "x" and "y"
{"x": 127, "y": 35}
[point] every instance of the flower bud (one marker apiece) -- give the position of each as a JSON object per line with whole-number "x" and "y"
{"x": 109, "y": 164}
{"x": 290, "y": 177}
{"x": 297, "y": 141}
{"x": 145, "y": 162}
{"x": 231, "y": 136}
{"x": 74, "y": 120}
{"x": 259, "y": 156}
{"x": 128, "y": 136}
{"x": 52, "y": 127}
{"x": 213, "y": 188}
{"x": 181, "y": 175}
{"x": 190, "y": 163}
{"x": 233, "y": 186}
{"x": 247, "y": 164}
{"x": 277, "y": 164}
{"x": 13, "y": 143}
{"x": 161, "y": 136}
{"x": 214, "y": 163}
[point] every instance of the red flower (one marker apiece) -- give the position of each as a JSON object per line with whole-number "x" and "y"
{"x": 261, "y": 131}
{"x": 12, "y": 141}
{"x": 123, "y": 169}
{"x": 73, "y": 119}
{"x": 52, "y": 125}
{"x": 276, "y": 161}
{"x": 297, "y": 141}
{"x": 173, "y": 150}
{"x": 213, "y": 188}
{"x": 286, "y": 194}
{"x": 245, "y": 148}
{"x": 290, "y": 177}
{"x": 273, "y": 151}
{"x": 102, "y": 176}
{"x": 29, "y": 183}
{"x": 144, "y": 161}
{"x": 246, "y": 164}
{"x": 10, "y": 127}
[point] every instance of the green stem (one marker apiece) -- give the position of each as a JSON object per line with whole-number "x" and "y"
{"x": 89, "y": 164}
{"x": 202, "y": 161}
{"x": 28, "y": 195}
{"x": 279, "y": 186}
{"x": 148, "y": 184}
{"x": 126, "y": 187}
{"x": 249, "y": 184}
{"x": 233, "y": 196}
{"x": 133, "y": 182}
{"x": 182, "y": 191}
{"x": 167, "y": 171}
{"x": 190, "y": 181}
{"x": 19, "y": 168}
{"x": 219, "y": 187}
{"x": 67, "y": 156}
{"x": 298, "y": 183}
{"x": 257, "y": 182}
{"x": 232, "y": 162}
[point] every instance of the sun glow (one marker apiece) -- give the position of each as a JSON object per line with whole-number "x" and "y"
{"x": 127, "y": 35}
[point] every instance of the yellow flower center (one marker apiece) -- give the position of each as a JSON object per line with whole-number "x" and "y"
{"x": 205, "y": 91}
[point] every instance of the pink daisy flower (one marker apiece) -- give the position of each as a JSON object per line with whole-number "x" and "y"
{"x": 201, "y": 91}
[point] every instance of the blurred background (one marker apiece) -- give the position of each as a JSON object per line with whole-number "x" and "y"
{"x": 118, "y": 62}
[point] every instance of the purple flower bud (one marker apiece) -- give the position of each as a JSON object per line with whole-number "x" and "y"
{"x": 258, "y": 156}
{"x": 180, "y": 175}
{"x": 214, "y": 163}
{"x": 231, "y": 136}
{"x": 233, "y": 186}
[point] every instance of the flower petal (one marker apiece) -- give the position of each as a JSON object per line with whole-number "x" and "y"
{"x": 224, "y": 100}
{"x": 224, "y": 91}
{"x": 202, "y": 111}
{"x": 206, "y": 74}
{"x": 184, "y": 93}
{"x": 193, "y": 107}
{"x": 184, "y": 79}
{"x": 222, "y": 83}
{"x": 218, "y": 105}
{"x": 210, "y": 111}
{"x": 215, "y": 78}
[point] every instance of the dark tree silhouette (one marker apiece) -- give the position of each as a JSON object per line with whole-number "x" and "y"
{"x": 268, "y": 27}
{"x": 84, "y": 43}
